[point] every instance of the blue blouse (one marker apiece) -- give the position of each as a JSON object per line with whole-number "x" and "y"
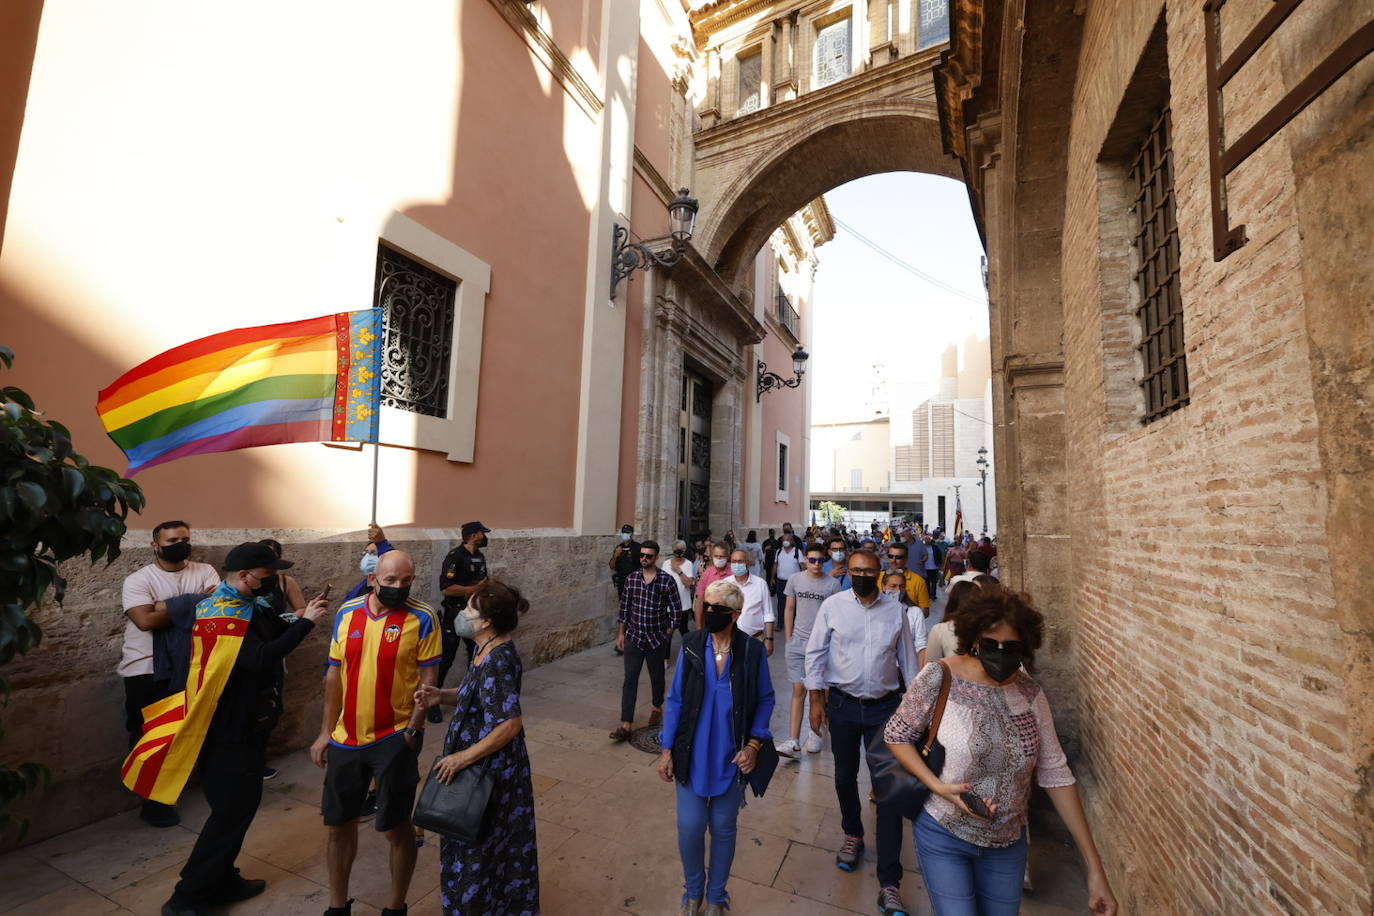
{"x": 713, "y": 746}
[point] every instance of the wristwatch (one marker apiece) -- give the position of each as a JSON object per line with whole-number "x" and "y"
{"x": 414, "y": 732}
{"x": 767, "y": 639}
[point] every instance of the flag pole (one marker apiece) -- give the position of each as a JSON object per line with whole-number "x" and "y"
{"x": 376, "y": 462}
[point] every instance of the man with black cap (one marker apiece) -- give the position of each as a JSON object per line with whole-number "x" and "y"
{"x": 233, "y": 665}
{"x": 463, "y": 573}
{"x": 624, "y": 560}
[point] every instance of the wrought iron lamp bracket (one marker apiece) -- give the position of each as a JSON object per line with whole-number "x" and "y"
{"x": 628, "y": 256}
{"x": 770, "y": 380}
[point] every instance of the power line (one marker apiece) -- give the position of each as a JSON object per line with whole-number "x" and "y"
{"x": 910, "y": 268}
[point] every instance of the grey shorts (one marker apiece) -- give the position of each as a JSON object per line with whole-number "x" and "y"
{"x": 796, "y": 660}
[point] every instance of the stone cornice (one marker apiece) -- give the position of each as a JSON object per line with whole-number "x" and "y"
{"x": 652, "y": 177}
{"x": 708, "y": 290}
{"x": 541, "y": 43}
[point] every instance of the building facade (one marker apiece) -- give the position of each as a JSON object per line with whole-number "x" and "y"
{"x": 1181, "y": 352}
{"x": 463, "y": 166}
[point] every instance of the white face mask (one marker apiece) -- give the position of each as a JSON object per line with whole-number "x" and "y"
{"x": 837, "y": 556}
{"x": 739, "y": 569}
{"x": 719, "y": 562}
{"x": 624, "y": 535}
{"x": 787, "y": 545}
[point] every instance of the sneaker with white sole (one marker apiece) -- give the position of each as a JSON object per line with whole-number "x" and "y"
{"x": 789, "y": 748}
{"x": 813, "y": 743}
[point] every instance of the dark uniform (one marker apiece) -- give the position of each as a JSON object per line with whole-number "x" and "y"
{"x": 461, "y": 567}
{"x": 626, "y": 563}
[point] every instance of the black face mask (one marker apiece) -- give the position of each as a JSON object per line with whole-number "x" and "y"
{"x": 265, "y": 587}
{"x": 393, "y": 595}
{"x": 864, "y": 586}
{"x": 482, "y": 543}
{"x": 999, "y": 664}
{"x": 715, "y": 620}
{"x": 175, "y": 553}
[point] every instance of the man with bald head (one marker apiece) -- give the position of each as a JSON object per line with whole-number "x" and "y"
{"x": 385, "y": 644}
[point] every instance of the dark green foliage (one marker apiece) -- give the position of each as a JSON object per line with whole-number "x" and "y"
{"x": 54, "y": 506}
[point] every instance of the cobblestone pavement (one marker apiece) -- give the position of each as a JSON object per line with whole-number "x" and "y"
{"x": 607, "y": 839}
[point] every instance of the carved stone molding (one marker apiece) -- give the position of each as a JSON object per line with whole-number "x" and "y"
{"x": 519, "y": 17}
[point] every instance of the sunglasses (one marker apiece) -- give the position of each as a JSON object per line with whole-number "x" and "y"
{"x": 815, "y": 559}
{"x": 987, "y": 644}
{"x": 721, "y": 607}
{"x": 896, "y": 556}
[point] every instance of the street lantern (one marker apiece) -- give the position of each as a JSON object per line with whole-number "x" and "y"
{"x": 983, "y": 465}
{"x": 628, "y": 256}
{"x": 767, "y": 381}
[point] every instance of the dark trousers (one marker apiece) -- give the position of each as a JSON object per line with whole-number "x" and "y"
{"x": 635, "y": 658}
{"x": 139, "y": 691}
{"x": 932, "y": 582}
{"x": 851, "y": 726}
{"x": 231, "y": 775}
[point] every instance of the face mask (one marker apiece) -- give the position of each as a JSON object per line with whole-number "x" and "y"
{"x": 864, "y": 586}
{"x": 999, "y": 664}
{"x": 265, "y": 587}
{"x": 392, "y": 595}
{"x": 482, "y": 543}
{"x": 462, "y": 624}
{"x": 837, "y": 556}
{"x": 716, "y": 619}
{"x": 719, "y": 562}
{"x": 368, "y": 564}
{"x": 893, "y": 591}
{"x": 624, "y": 535}
{"x": 786, "y": 545}
{"x": 739, "y": 569}
{"x": 175, "y": 553}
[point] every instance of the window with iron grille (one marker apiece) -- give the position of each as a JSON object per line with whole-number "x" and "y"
{"x": 833, "y": 55}
{"x": 782, "y": 467}
{"x": 417, "y": 338}
{"x": 750, "y": 83}
{"x": 1160, "y": 309}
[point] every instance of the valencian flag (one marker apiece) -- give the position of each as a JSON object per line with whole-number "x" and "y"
{"x": 317, "y": 380}
{"x": 174, "y": 729}
{"x": 958, "y": 518}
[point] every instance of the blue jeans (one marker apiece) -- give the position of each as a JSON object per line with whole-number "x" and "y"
{"x": 964, "y": 879}
{"x": 694, "y": 815}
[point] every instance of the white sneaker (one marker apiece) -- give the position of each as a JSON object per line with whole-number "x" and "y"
{"x": 813, "y": 743}
{"x": 789, "y": 748}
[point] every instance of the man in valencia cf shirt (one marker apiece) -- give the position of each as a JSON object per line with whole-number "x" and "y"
{"x": 383, "y": 646}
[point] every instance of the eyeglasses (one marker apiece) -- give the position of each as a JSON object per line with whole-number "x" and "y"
{"x": 864, "y": 573}
{"x": 815, "y": 559}
{"x": 647, "y": 556}
{"x": 988, "y": 644}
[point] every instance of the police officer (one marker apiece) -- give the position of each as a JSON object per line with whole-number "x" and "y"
{"x": 464, "y": 573}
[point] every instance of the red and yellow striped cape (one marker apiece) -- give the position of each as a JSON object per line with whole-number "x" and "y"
{"x": 174, "y": 729}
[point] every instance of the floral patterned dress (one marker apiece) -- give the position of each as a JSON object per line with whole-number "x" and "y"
{"x": 498, "y": 876}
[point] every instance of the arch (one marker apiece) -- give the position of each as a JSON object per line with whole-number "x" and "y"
{"x": 845, "y": 142}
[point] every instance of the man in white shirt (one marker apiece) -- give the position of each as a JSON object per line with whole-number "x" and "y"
{"x": 170, "y": 574}
{"x": 683, "y": 573}
{"x": 757, "y": 618}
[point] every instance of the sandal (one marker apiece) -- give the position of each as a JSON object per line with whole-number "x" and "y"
{"x": 621, "y": 734}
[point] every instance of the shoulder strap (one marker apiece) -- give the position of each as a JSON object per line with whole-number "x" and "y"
{"x": 939, "y": 712}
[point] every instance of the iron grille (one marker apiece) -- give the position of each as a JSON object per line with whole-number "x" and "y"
{"x": 417, "y": 338}
{"x": 832, "y": 52}
{"x": 1165, "y": 379}
{"x": 787, "y": 315}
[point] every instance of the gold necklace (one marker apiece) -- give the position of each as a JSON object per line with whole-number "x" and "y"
{"x": 720, "y": 653}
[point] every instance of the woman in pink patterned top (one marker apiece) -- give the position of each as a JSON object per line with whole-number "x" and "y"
{"x": 997, "y": 732}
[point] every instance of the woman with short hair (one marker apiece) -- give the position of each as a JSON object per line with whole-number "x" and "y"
{"x": 714, "y": 723}
{"x": 499, "y": 874}
{"x": 998, "y": 733}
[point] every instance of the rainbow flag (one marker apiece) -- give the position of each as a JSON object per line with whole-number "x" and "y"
{"x": 317, "y": 380}
{"x": 174, "y": 728}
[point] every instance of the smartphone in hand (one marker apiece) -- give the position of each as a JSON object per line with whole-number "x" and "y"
{"x": 328, "y": 587}
{"x": 976, "y": 805}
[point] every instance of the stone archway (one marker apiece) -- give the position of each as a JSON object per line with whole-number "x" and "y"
{"x": 754, "y": 172}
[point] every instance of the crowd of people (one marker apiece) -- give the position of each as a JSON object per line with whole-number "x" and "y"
{"x": 861, "y": 650}
{"x": 867, "y": 664}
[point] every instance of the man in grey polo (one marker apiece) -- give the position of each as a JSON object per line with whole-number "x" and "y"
{"x": 803, "y": 592}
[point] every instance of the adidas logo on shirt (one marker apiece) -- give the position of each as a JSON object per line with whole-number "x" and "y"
{"x": 356, "y": 634}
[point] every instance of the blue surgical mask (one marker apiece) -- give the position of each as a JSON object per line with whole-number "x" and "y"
{"x": 368, "y": 564}
{"x": 739, "y": 569}
{"x": 462, "y": 624}
{"x": 837, "y": 556}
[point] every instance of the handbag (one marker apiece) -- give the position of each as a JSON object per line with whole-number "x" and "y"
{"x": 458, "y": 809}
{"x": 894, "y": 784}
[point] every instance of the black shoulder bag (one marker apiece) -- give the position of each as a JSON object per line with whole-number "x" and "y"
{"x": 893, "y": 784}
{"x": 457, "y": 810}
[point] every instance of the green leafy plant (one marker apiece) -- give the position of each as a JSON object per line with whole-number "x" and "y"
{"x": 54, "y": 506}
{"x": 832, "y": 512}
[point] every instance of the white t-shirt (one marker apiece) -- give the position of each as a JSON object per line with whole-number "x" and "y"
{"x": 758, "y": 606}
{"x": 148, "y": 585}
{"x": 918, "y": 623}
{"x": 688, "y": 569}
{"x": 789, "y": 563}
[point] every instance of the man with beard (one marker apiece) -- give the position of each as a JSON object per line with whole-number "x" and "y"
{"x": 649, "y": 611}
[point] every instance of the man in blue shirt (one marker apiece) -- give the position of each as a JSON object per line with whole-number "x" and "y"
{"x": 835, "y": 566}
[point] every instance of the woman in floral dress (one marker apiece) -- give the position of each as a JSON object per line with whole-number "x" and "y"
{"x": 499, "y": 874}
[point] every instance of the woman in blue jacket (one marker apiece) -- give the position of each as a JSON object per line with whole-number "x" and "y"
{"x": 714, "y": 722}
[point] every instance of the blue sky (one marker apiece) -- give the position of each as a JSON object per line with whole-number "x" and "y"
{"x": 868, "y": 310}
